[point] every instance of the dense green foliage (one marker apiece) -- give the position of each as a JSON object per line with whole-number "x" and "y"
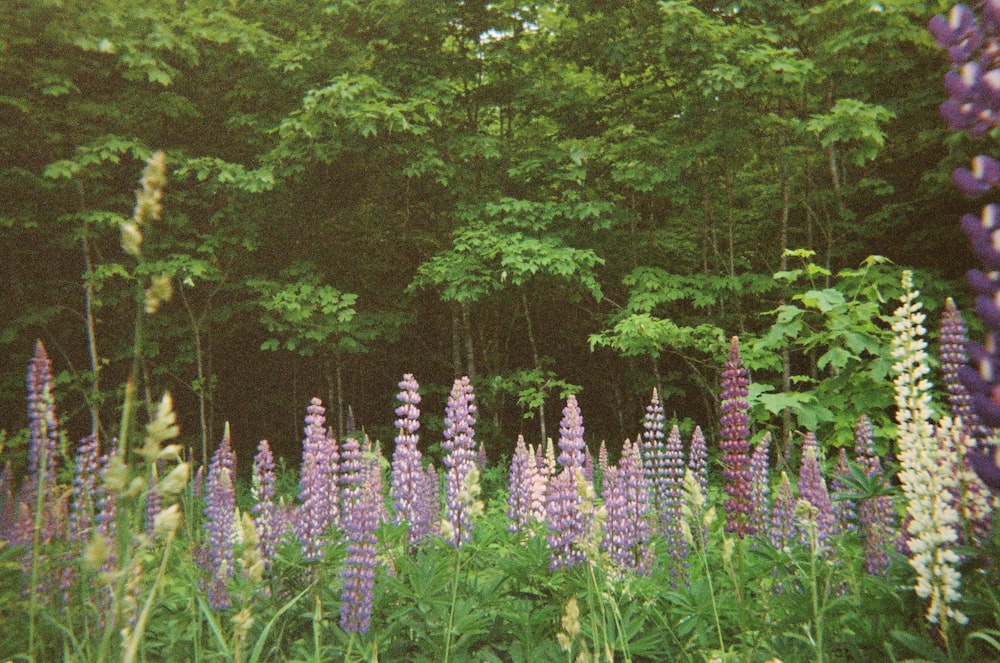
{"x": 552, "y": 198}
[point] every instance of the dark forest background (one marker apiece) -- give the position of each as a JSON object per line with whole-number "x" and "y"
{"x": 587, "y": 197}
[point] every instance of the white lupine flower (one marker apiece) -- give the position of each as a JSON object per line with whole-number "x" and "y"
{"x": 930, "y": 462}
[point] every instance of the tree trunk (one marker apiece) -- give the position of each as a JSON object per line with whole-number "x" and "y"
{"x": 536, "y": 359}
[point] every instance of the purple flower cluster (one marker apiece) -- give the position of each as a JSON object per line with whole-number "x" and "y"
{"x": 652, "y": 450}
{"x": 698, "y": 459}
{"x": 460, "y": 445}
{"x": 357, "y": 574}
{"x": 567, "y": 522}
{"x": 571, "y": 443}
{"x": 952, "y": 355}
{"x": 265, "y": 510}
{"x": 782, "y": 531}
{"x": 407, "y": 489}
{"x": 759, "y": 482}
{"x": 844, "y": 510}
{"x": 318, "y": 491}
{"x": 673, "y": 493}
{"x": 973, "y": 84}
{"x": 626, "y": 498}
{"x": 220, "y": 520}
{"x": 522, "y": 470}
{"x": 812, "y": 488}
{"x": 735, "y": 444}
{"x": 972, "y": 40}
{"x": 876, "y": 515}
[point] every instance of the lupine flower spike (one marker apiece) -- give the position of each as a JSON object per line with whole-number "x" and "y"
{"x": 407, "y": 468}
{"x": 320, "y": 507}
{"x": 812, "y": 488}
{"x": 735, "y": 444}
{"x": 220, "y": 515}
{"x": 927, "y": 474}
{"x": 265, "y": 510}
{"x": 460, "y": 463}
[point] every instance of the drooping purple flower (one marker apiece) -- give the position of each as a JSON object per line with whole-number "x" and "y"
{"x": 760, "y": 484}
{"x": 407, "y": 467}
{"x": 460, "y": 447}
{"x": 626, "y": 498}
{"x": 318, "y": 491}
{"x": 735, "y": 444}
{"x": 571, "y": 443}
{"x": 357, "y": 574}
{"x": 220, "y": 520}
{"x": 812, "y": 488}
{"x": 264, "y": 509}
{"x": 876, "y": 515}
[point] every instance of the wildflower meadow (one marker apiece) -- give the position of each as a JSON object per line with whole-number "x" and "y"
{"x": 747, "y": 538}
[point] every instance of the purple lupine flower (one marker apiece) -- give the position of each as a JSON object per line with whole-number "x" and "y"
{"x": 698, "y": 459}
{"x": 980, "y": 179}
{"x": 972, "y": 39}
{"x": 429, "y": 505}
{"x": 7, "y": 504}
{"x": 782, "y": 529}
{"x": 372, "y": 458}
{"x": 154, "y": 502}
{"x": 654, "y": 461}
{"x": 352, "y": 470}
{"x": 357, "y": 574}
{"x": 812, "y": 488}
{"x": 844, "y": 510}
{"x": 571, "y": 444}
{"x": 876, "y": 515}
{"x": 958, "y": 33}
{"x": 672, "y": 497}
{"x": 264, "y": 509}
{"x": 602, "y": 457}
{"x": 952, "y": 355}
{"x": 759, "y": 481}
{"x": 519, "y": 495}
{"x": 407, "y": 469}
{"x": 626, "y": 498}
{"x": 735, "y": 444}
{"x": 567, "y": 522}
{"x": 43, "y": 450}
{"x": 220, "y": 519}
{"x": 86, "y": 478}
{"x": 460, "y": 444}
{"x": 481, "y": 458}
{"x": 44, "y": 440}
{"x": 588, "y": 465}
{"x": 320, "y": 499}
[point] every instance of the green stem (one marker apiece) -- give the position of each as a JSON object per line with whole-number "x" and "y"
{"x": 36, "y": 536}
{"x": 132, "y": 648}
{"x": 454, "y": 600}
